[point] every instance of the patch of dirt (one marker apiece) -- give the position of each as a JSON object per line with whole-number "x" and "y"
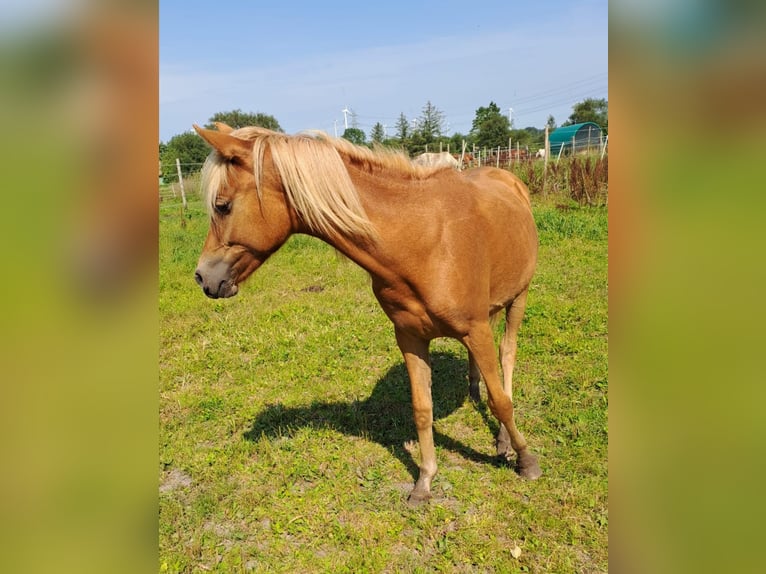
{"x": 175, "y": 479}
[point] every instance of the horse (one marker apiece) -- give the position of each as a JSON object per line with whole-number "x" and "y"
{"x": 430, "y": 159}
{"x": 447, "y": 251}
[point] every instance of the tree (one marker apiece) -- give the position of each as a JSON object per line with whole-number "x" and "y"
{"x": 239, "y": 119}
{"x": 522, "y": 138}
{"x": 430, "y": 124}
{"x": 490, "y": 127}
{"x": 483, "y": 114}
{"x": 378, "y": 133}
{"x": 456, "y": 142}
{"x": 551, "y": 123}
{"x": 402, "y": 128}
{"x": 529, "y": 136}
{"x": 354, "y": 135}
{"x": 189, "y": 148}
{"x": 590, "y": 110}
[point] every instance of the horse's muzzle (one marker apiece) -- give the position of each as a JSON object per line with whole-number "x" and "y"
{"x": 216, "y": 279}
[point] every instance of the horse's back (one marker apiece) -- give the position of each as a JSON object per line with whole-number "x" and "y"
{"x": 482, "y": 177}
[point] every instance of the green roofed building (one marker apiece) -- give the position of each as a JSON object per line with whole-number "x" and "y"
{"x": 579, "y": 137}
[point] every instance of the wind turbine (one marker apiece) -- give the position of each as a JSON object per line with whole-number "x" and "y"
{"x": 345, "y": 111}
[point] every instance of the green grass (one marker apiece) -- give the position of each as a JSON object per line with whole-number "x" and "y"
{"x": 287, "y": 442}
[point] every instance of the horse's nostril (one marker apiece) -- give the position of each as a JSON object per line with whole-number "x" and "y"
{"x": 198, "y": 278}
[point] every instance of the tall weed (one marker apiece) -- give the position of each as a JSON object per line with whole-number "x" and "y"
{"x": 583, "y": 179}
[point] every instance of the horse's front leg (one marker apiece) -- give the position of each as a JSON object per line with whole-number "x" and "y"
{"x": 416, "y": 358}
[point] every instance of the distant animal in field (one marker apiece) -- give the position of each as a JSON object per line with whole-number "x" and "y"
{"x": 442, "y": 159}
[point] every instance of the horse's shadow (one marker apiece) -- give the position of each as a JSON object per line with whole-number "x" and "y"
{"x": 386, "y": 416}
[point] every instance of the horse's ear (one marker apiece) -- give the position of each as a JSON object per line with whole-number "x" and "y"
{"x": 223, "y": 128}
{"x": 227, "y": 145}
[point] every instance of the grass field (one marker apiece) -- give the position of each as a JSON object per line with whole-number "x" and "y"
{"x": 287, "y": 442}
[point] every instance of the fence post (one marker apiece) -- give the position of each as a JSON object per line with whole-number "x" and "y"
{"x": 462, "y": 156}
{"x": 603, "y": 149}
{"x": 497, "y": 160}
{"x": 547, "y": 149}
{"x": 510, "y": 155}
{"x": 181, "y": 182}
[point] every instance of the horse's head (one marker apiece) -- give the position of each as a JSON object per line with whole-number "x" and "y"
{"x": 249, "y": 219}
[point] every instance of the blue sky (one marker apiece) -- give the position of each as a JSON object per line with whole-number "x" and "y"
{"x": 303, "y": 62}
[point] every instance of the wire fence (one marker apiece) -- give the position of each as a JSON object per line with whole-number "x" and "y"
{"x": 473, "y": 156}
{"x": 584, "y": 181}
{"x": 189, "y": 187}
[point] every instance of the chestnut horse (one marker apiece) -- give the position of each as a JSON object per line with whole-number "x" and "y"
{"x": 446, "y": 250}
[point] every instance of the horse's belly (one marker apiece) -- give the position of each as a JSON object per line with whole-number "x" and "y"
{"x": 407, "y": 312}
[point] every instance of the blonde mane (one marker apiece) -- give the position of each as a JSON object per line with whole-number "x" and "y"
{"x": 314, "y": 176}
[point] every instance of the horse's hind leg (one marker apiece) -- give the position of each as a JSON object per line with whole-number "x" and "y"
{"x": 514, "y": 313}
{"x": 480, "y": 342}
{"x": 474, "y": 377}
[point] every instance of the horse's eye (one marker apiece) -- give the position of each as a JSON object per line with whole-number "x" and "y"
{"x": 223, "y": 208}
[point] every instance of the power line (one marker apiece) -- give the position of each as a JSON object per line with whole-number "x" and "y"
{"x": 571, "y": 92}
{"x": 566, "y": 100}
{"x": 577, "y": 84}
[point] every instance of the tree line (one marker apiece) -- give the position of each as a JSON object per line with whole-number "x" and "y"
{"x": 490, "y": 128}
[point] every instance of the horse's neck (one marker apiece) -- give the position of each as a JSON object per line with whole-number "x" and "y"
{"x": 384, "y": 201}
{"x": 377, "y": 186}
{"x": 386, "y": 198}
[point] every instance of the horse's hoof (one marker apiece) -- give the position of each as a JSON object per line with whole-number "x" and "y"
{"x": 504, "y": 450}
{"x": 474, "y": 393}
{"x": 503, "y": 443}
{"x": 418, "y": 497}
{"x": 527, "y": 466}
